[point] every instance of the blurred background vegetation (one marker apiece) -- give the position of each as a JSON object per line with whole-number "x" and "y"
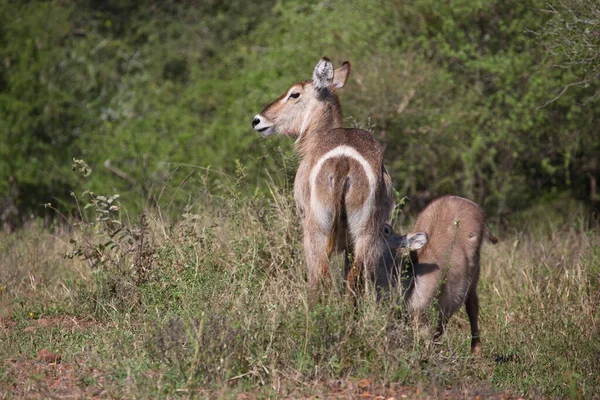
{"x": 493, "y": 100}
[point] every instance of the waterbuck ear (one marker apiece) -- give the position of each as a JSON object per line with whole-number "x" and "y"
{"x": 323, "y": 74}
{"x": 416, "y": 240}
{"x": 340, "y": 76}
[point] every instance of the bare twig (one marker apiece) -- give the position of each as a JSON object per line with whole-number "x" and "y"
{"x": 560, "y": 94}
{"x": 118, "y": 172}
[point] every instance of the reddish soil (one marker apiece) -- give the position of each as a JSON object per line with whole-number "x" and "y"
{"x": 40, "y": 380}
{"x": 47, "y": 376}
{"x": 6, "y": 323}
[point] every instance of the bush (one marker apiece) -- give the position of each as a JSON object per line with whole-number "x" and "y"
{"x": 466, "y": 96}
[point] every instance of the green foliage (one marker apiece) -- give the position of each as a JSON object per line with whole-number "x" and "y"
{"x": 466, "y": 96}
{"x": 134, "y": 86}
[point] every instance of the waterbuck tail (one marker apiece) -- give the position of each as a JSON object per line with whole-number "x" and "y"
{"x": 340, "y": 177}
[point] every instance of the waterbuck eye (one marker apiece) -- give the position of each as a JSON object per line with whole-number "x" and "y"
{"x": 294, "y": 95}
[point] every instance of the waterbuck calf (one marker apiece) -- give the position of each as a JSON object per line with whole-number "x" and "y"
{"x": 342, "y": 191}
{"x": 445, "y": 270}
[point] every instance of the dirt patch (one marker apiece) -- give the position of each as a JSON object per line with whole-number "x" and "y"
{"x": 39, "y": 380}
{"x": 7, "y": 322}
{"x": 50, "y": 377}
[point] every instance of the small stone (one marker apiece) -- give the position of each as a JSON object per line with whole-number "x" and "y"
{"x": 48, "y": 357}
{"x": 364, "y": 383}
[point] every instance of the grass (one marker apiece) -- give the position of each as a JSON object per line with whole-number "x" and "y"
{"x": 215, "y": 304}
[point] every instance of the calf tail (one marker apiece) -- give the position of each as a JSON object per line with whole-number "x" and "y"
{"x": 489, "y": 236}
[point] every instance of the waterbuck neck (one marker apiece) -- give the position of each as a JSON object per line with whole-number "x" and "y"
{"x": 330, "y": 118}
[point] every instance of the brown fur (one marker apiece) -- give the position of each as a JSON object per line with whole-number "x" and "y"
{"x": 341, "y": 187}
{"x": 446, "y": 268}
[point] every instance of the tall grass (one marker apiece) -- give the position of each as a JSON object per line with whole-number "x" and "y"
{"x": 215, "y": 301}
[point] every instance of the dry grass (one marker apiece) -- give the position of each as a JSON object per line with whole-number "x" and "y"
{"x": 215, "y": 303}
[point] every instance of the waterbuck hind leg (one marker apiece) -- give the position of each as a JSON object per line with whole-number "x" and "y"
{"x": 472, "y": 306}
{"x": 317, "y": 258}
{"x": 354, "y": 281}
{"x": 367, "y": 253}
{"x": 347, "y": 263}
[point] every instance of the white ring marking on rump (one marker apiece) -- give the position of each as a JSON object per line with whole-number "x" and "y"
{"x": 321, "y": 213}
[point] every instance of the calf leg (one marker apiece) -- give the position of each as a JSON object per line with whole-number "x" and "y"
{"x": 472, "y": 305}
{"x": 441, "y": 324}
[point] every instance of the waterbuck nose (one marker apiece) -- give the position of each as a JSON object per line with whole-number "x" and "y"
{"x": 255, "y": 122}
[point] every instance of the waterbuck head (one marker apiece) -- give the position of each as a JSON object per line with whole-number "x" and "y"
{"x": 310, "y": 105}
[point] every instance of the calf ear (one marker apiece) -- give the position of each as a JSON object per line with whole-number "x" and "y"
{"x": 416, "y": 240}
{"x": 340, "y": 76}
{"x": 323, "y": 74}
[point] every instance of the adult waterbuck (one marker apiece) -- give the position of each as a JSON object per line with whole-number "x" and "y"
{"x": 342, "y": 191}
{"x": 444, "y": 271}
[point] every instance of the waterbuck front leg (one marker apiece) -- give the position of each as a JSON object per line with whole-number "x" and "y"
{"x": 301, "y": 196}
